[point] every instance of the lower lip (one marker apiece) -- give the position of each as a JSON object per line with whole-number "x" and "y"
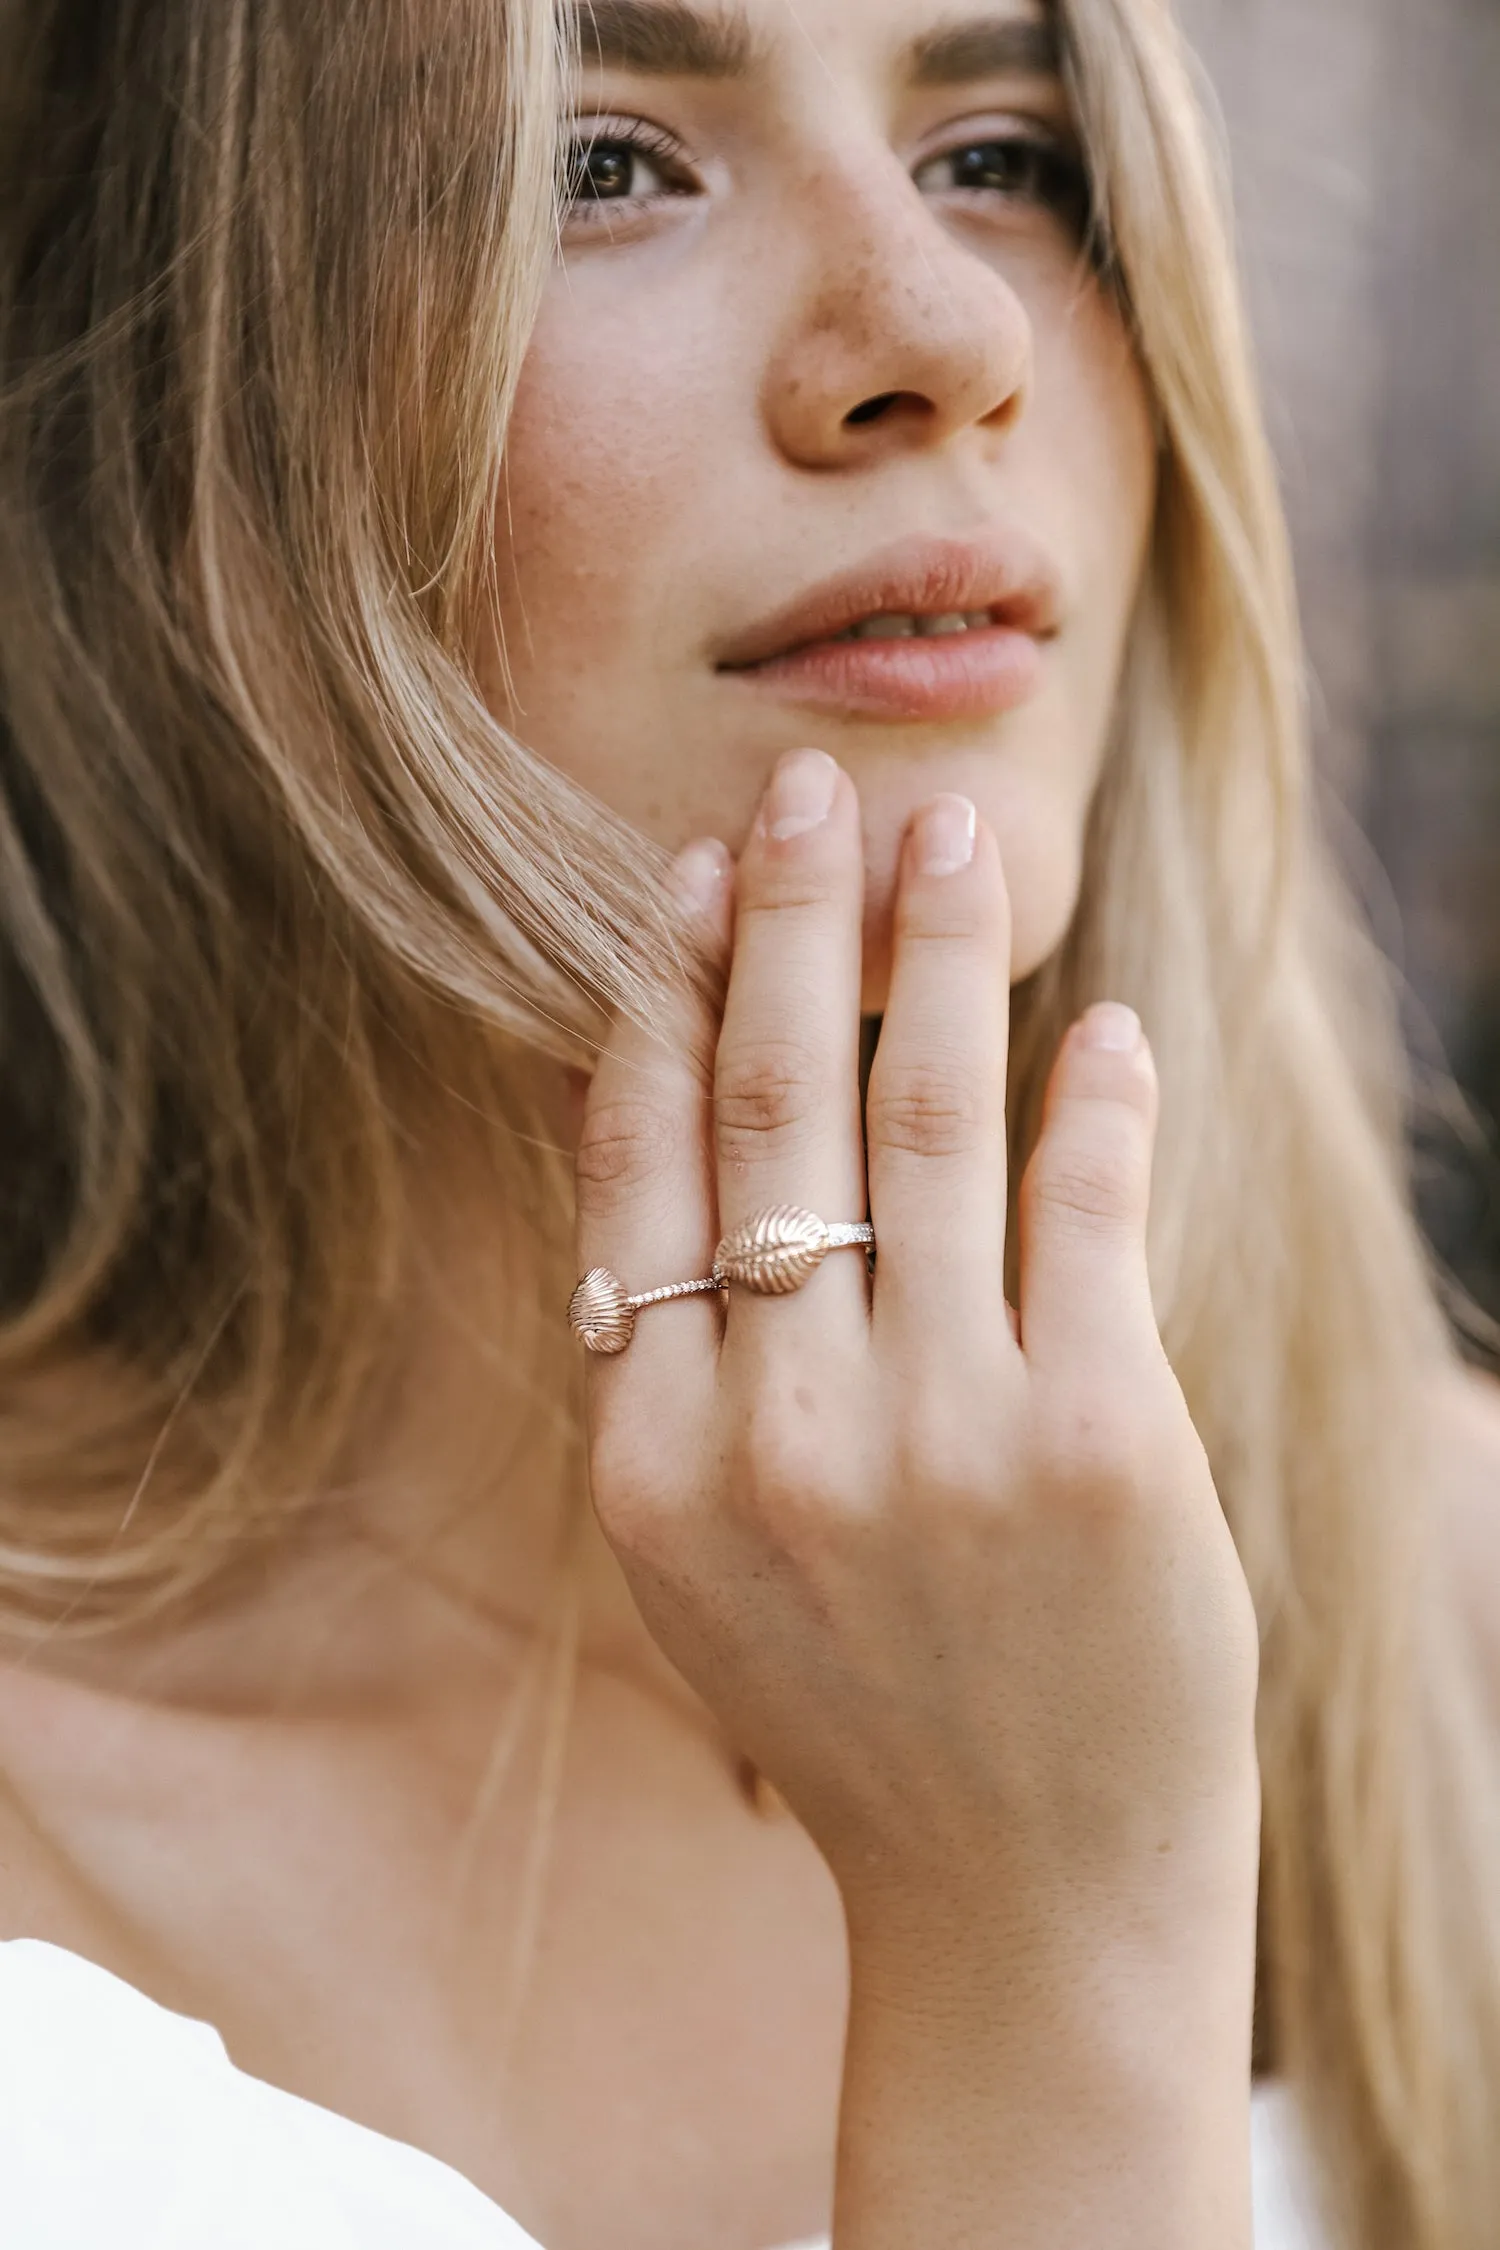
{"x": 973, "y": 675}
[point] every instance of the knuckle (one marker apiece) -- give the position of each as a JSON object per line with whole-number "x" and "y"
{"x": 1103, "y": 1443}
{"x": 937, "y": 1111}
{"x": 789, "y": 1483}
{"x": 974, "y": 920}
{"x": 797, "y": 888}
{"x": 619, "y": 1151}
{"x": 624, "y": 1495}
{"x": 946, "y": 1469}
{"x": 643, "y": 1511}
{"x": 1094, "y": 1179}
{"x": 785, "y": 1461}
{"x": 763, "y": 1093}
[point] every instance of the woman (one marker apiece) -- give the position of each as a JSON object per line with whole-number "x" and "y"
{"x": 857, "y": 495}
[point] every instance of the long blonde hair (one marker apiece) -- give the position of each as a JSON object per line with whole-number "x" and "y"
{"x": 267, "y": 862}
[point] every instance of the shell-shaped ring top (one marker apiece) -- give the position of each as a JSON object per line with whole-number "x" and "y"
{"x": 777, "y": 1251}
{"x": 771, "y": 1254}
{"x": 600, "y": 1314}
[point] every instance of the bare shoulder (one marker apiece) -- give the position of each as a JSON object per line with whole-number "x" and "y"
{"x": 1468, "y": 1454}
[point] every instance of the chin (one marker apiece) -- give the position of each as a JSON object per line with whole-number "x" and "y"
{"x": 1041, "y": 916}
{"x": 875, "y": 978}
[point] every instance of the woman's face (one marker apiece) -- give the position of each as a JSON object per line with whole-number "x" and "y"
{"x": 821, "y": 356}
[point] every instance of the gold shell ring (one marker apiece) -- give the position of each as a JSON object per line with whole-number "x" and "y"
{"x": 772, "y": 1255}
{"x": 779, "y": 1250}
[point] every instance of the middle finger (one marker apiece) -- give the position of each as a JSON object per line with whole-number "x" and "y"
{"x": 786, "y": 1082}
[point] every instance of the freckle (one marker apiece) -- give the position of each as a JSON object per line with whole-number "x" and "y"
{"x": 805, "y": 1399}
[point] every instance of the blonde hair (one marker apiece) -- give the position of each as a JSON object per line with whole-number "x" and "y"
{"x": 267, "y": 862}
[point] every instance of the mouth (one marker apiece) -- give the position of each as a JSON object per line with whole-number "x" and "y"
{"x": 927, "y": 630}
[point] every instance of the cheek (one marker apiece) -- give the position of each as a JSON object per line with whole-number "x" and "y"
{"x": 598, "y": 463}
{"x": 1094, "y": 418}
{"x": 1095, "y": 431}
{"x": 1087, "y": 466}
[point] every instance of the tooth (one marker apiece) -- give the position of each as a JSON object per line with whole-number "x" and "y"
{"x": 977, "y": 619}
{"x": 887, "y": 629}
{"x": 937, "y": 628}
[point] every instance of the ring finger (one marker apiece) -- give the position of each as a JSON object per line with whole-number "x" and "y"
{"x": 786, "y": 1082}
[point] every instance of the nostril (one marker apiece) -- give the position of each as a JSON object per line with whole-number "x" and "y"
{"x": 872, "y": 409}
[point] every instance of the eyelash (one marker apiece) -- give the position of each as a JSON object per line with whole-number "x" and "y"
{"x": 1057, "y": 180}
{"x": 639, "y": 139}
{"x": 1062, "y": 179}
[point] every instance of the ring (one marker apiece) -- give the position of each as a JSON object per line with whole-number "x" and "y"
{"x": 771, "y": 1254}
{"x": 602, "y": 1315}
{"x": 775, "y": 1252}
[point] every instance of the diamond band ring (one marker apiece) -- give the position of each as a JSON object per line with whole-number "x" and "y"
{"x": 601, "y": 1313}
{"x": 772, "y": 1255}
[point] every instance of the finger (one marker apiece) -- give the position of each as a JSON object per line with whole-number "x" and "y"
{"x": 935, "y": 1113}
{"x": 1085, "y": 1290}
{"x": 786, "y": 1085}
{"x": 646, "y": 1209}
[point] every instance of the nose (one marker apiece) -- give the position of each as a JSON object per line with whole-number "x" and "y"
{"x": 898, "y": 337}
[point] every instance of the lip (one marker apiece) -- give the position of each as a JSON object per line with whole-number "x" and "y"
{"x": 794, "y": 654}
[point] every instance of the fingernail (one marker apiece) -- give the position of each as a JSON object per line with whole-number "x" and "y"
{"x": 943, "y": 835}
{"x": 1111, "y": 1026}
{"x": 699, "y": 874}
{"x": 801, "y": 794}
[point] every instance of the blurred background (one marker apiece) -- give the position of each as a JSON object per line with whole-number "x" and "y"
{"x": 1365, "y": 144}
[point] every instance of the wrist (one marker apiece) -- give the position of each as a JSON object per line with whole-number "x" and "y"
{"x": 1124, "y": 2010}
{"x": 1153, "y": 1917}
{"x": 1050, "y": 2077}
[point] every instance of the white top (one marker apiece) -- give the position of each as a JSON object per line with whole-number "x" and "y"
{"x": 125, "y": 2127}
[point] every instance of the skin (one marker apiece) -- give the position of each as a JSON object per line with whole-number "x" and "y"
{"x": 915, "y": 1560}
{"x": 927, "y": 1564}
{"x": 683, "y": 456}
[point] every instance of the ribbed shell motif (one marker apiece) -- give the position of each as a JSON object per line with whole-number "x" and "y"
{"x": 774, "y": 1253}
{"x": 599, "y": 1313}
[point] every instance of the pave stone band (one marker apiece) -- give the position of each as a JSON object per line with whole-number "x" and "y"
{"x": 777, "y": 1251}
{"x": 772, "y": 1255}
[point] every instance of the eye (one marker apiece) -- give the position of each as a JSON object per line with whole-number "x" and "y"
{"x": 625, "y": 164}
{"x": 1022, "y": 168}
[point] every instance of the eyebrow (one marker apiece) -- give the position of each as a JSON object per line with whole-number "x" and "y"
{"x": 671, "y": 39}
{"x": 665, "y": 39}
{"x": 986, "y": 47}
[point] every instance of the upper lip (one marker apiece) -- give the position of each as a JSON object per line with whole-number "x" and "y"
{"x": 1002, "y": 570}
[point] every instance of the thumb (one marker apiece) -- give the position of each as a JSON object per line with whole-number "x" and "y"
{"x": 1085, "y": 1197}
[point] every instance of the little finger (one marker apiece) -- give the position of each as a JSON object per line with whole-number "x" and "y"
{"x": 786, "y": 1083}
{"x": 1085, "y": 1289}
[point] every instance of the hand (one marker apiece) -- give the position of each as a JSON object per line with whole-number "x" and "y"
{"x": 960, "y": 1585}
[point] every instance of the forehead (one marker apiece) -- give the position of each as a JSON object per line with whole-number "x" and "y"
{"x": 934, "y": 41}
